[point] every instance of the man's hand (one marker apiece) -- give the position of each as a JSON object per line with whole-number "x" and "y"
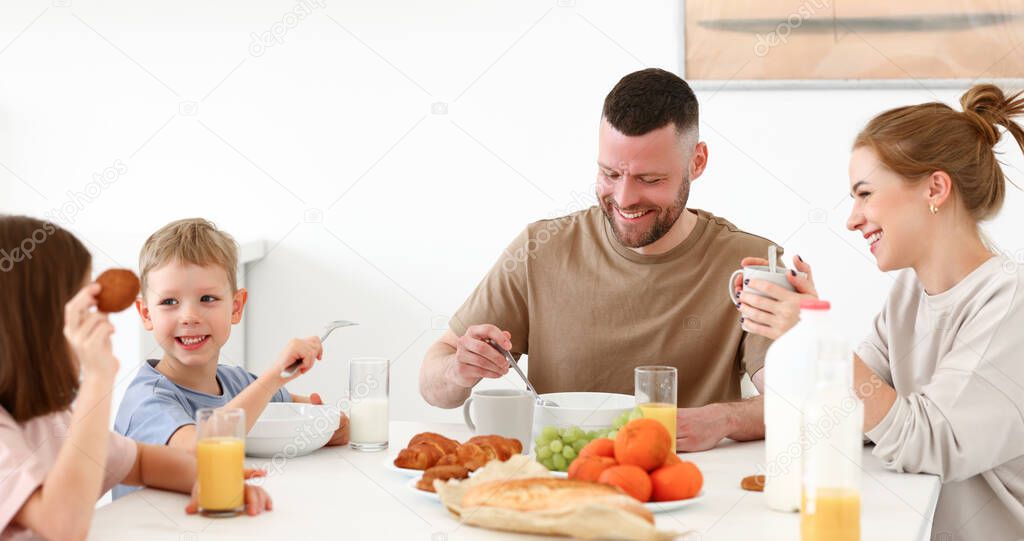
{"x": 700, "y": 429}
{"x": 256, "y": 499}
{"x": 340, "y": 436}
{"x": 475, "y": 359}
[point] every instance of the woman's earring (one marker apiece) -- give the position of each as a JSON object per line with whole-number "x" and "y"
{"x": 933, "y": 208}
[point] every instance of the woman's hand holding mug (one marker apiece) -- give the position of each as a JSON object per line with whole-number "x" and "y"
{"x": 772, "y": 309}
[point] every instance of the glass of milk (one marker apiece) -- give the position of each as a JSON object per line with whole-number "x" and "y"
{"x": 368, "y": 395}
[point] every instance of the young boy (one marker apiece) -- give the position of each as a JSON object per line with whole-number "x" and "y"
{"x": 189, "y": 301}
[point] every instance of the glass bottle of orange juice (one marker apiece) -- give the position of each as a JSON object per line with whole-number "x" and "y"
{"x": 220, "y": 459}
{"x": 655, "y": 393}
{"x": 832, "y": 429}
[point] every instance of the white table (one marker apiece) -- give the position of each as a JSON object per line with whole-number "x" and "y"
{"x": 338, "y": 493}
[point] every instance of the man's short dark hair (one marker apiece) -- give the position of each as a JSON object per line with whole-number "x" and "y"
{"x": 649, "y": 99}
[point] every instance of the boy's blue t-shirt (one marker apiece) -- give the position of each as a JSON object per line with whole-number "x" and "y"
{"x": 154, "y": 407}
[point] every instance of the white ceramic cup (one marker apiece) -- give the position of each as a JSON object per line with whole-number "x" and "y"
{"x": 758, "y": 272}
{"x": 504, "y": 412}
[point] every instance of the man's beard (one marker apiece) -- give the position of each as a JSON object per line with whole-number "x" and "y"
{"x": 664, "y": 221}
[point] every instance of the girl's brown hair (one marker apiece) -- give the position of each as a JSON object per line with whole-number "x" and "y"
{"x": 41, "y": 267}
{"x": 918, "y": 140}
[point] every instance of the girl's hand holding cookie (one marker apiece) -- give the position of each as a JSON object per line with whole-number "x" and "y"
{"x": 88, "y": 334}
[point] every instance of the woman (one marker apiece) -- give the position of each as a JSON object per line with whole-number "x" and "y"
{"x": 941, "y": 374}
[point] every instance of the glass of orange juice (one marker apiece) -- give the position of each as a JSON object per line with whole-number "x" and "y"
{"x": 220, "y": 457}
{"x": 655, "y": 394}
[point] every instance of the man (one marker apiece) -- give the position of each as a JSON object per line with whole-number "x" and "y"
{"x": 636, "y": 280}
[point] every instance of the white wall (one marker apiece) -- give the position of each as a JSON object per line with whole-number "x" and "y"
{"x": 342, "y": 108}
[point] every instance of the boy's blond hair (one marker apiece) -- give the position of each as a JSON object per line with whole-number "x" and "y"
{"x": 192, "y": 240}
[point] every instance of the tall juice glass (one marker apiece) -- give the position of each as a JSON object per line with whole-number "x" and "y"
{"x": 220, "y": 457}
{"x": 655, "y": 393}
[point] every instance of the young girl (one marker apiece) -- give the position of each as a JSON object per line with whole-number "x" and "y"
{"x": 57, "y": 370}
{"x": 941, "y": 372}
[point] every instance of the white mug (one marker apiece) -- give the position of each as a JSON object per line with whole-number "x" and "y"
{"x": 504, "y": 412}
{"x": 759, "y": 272}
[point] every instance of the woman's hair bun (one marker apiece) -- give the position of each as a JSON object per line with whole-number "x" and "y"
{"x": 987, "y": 106}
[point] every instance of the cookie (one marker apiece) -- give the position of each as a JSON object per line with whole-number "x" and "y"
{"x": 753, "y": 483}
{"x": 119, "y": 288}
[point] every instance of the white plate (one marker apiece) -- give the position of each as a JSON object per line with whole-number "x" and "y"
{"x": 411, "y": 485}
{"x": 668, "y": 507}
{"x": 408, "y": 472}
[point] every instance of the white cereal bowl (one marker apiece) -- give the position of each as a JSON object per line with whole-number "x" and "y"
{"x": 288, "y": 429}
{"x": 589, "y": 411}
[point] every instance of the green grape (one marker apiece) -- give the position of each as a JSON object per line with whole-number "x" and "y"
{"x": 541, "y": 441}
{"x": 569, "y": 437}
{"x": 559, "y": 462}
{"x": 593, "y": 434}
{"x": 549, "y": 433}
{"x": 544, "y": 452}
{"x": 556, "y": 446}
{"x": 569, "y": 453}
{"x": 549, "y": 462}
{"x": 612, "y": 434}
{"x": 620, "y": 421}
{"x": 635, "y": 414}
{"x": 578, "y": 445}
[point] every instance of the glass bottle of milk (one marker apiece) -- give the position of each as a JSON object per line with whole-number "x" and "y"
{"x": 833, "y": 425}
{"x": 789, "y": 380}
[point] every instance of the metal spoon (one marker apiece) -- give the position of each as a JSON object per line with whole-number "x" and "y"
{"x": 328, "y": 329}
{"x": 512, "y": 362}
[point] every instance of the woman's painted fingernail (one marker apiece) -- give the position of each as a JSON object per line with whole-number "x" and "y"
{"x": 737, "y": 305}
{"x": 737, "y": 294}
{"x": 800, "y": 258}
{"x": 741, "y": 320}
{"x": 793, "y": 272}
{"x": 746, "y": 281}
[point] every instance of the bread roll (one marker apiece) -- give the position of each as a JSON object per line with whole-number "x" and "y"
{"x": 550, "y": 494}
{"x": 520, "y": 496}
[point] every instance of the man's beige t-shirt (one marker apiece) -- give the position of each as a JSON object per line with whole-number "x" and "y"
{"x": 587, "y": 310}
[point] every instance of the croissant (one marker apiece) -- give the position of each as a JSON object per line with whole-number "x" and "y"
{"x": 441, "y": 473}
{"x": 424, "y": 450}
{"x": 419, "y": 456}
{"x": 447, "y": 445}
{"x": 469, "y": 455}
{"x": 501, "y": 448}
{"x": 427, "y": 449}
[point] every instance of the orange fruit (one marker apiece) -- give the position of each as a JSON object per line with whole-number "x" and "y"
{"x": 599, "y": 447}
{"x": 676, "y": 482}
{"x": 672, "y": 458}
{"x": 633, "y": 480}
{"x": 589, "y": 468}
{"x": 644, "y": 443}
